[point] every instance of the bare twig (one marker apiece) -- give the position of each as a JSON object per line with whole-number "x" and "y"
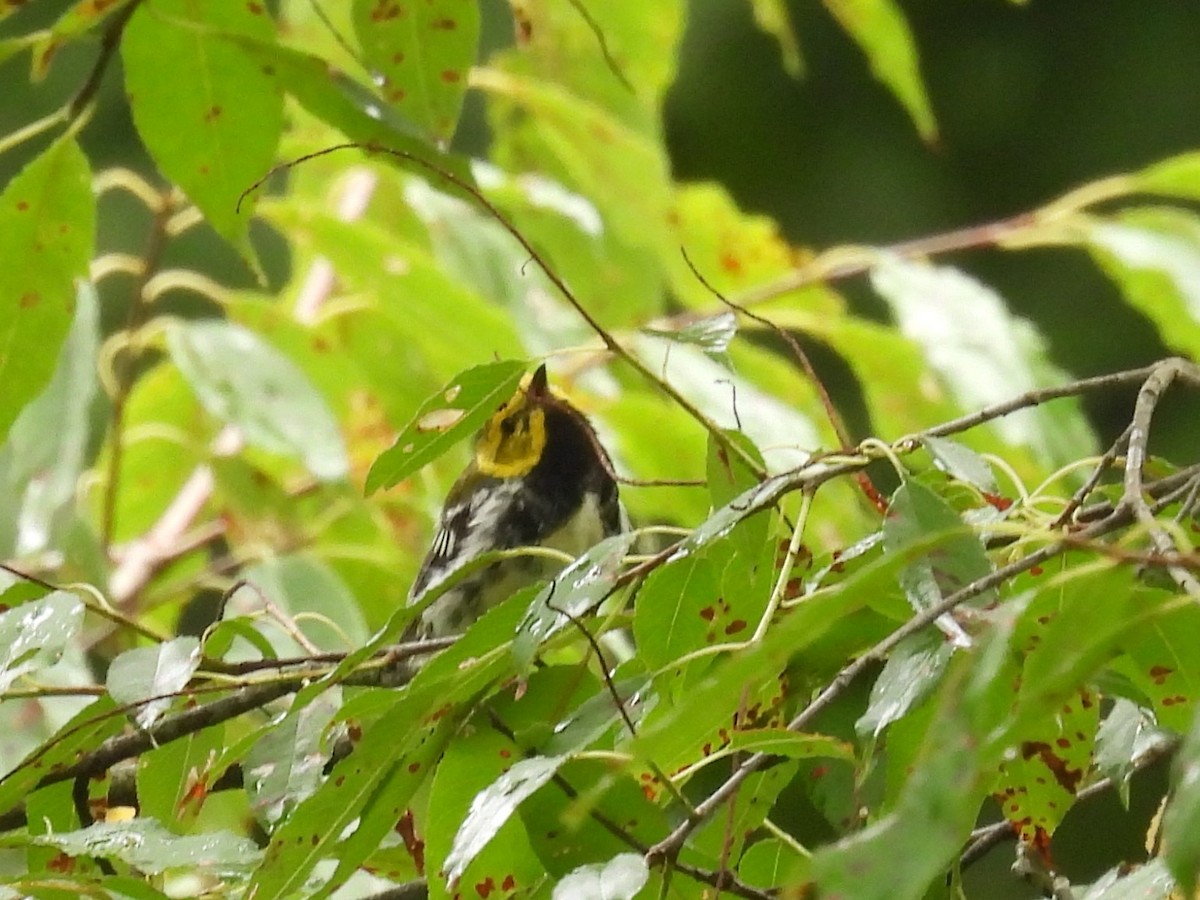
{"x": 670, "y": 846}
{"x": 1103, "y": 465}
{"x": 108, "y": 46}
{"x": 606, "y": 337}
{"x": 602, "y": 41}
{"x": 1155, "y": 385}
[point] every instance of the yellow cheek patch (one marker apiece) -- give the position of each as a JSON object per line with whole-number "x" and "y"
{"x": 512, "y": 440}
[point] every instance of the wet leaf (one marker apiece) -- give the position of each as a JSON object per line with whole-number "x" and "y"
{"x": 146, "y": 672}
{"x": 33, "y": 635}
{"x": 1149, "y": 881}
{"x": 580, "y": 587}
{"x": 492, "y": 808}
{"x": 911, "y": 674}
{"x": 477, "y": 393}
{"x": 49, "y": 443}
{"x": 960, "y": 462}
{"x": 284, "y": 767}
{"x": 916, "y": 514}
{"x": 618, "y": 879}
{"x": 711, "y": 335}
{"x": 422, "y": 53}
{"x": 147, "y": 846}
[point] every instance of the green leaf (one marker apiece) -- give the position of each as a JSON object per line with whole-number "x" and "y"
{"x": 207, "y": 113}
{"x": 773, "y": 18}
{"x": 564, "y": 830}
{"x": 82, "y": 17}
{"x": 618, "y": 879}
{"x": 457, "y": 411}
{"x": 732, "y": 250}
{"x": 587, "y": 148}
{"x": 244, "y": 381}
{"x": 960, "y": 462}
{"x": 881, "y": 30}
{"x": 173, "y": 779}
{"x": 621, "y": 56}
{"x": 712, "y": 334}
{"x": 47, "y": 221}
{"x": 1165, "y": 665}
{"x": 675, "y": 735}
{"x": 734, "y": 401}
{"x": 86, "y": 730}
{"x": 1120, "y": 740}
{"x": 1038, "y": 783}
{"x": 470, "y": 766}
{"x": 1153, "y": 256}
{"x": 724, "y": 837}
{"x": 675, "y": 608}
{"x": 912, "y": 673}
{"x": 982, "y": 353}
{"x": 147, "y": 846}
{"x": 49, "y": 443}
{"x": 768, "y": 864}
{"x": 728, "y": 475}
{"x": 373, "y": 785}
{"x": 915, "y": 514}
{"x": 493, "y": 807}
{"x": 410, "y": 306}
{"x": 1176, "y": 176}
{"x": 422, "y": 53}
{"x": 578, "y": 589}
{"x": 145, "y": 672}
{"x": 284, "y": 766}
{"x": 1181, "y": 822}
{"x": 33, "y": 635}
{"x": 891, "y": 859}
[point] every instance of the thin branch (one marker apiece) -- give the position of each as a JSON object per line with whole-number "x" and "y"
{"x": 840, "y": 264}
{"x": 602, "y": 41}
{"x": 1156, "y": 378}
{"x": 1037, "y": 397}
{"x": 831, "y": 412}
{"x": 1102, "y": 466}
{"x": 108, "y": 46}
{"x": 670, "y": 846}
{"x": 605, "y": 336}
{"x": 1159, "y": 380}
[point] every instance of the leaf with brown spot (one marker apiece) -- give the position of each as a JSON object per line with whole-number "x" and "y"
{"x": 52, "y": 191}
{"x": 1037, "y": 786}
{"x": 422, "y": 51}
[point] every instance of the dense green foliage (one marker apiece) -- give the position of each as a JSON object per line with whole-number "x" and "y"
{"x": 865, "y": 652}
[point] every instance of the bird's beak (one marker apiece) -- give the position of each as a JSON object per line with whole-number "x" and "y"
{"x": 538, "y": 388}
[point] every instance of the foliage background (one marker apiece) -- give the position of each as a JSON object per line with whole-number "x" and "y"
{"x": 1030, "y": 101}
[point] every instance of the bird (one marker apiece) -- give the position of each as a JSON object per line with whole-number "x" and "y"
{"x": 539, "y": 477}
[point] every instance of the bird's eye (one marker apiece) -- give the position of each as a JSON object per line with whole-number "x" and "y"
{"x": 507, "y": 426}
